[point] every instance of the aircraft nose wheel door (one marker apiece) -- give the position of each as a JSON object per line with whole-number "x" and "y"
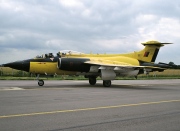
{"x": 40, "y": 82}
{"x": 106, "y": 83}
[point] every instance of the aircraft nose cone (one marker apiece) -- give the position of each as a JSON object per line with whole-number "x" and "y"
{"x": 19, "y": 65}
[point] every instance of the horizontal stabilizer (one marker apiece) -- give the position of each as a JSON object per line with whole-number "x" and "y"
{"x": 155, "y": 43}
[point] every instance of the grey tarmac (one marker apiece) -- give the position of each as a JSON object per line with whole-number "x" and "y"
{"x": 68, "y": 105}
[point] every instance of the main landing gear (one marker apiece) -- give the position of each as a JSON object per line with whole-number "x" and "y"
{"x": 106, "y": 83}
{"x": 92, "y": 80}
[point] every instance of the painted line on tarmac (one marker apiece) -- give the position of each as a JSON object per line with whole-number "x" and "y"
{"x": 10, "y": 88}
{"x": 32, "y": 88}
{"x": 88, "y": 109}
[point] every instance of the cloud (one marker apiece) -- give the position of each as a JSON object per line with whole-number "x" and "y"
{"x": 71, "y": 3}
{"x": 35, "y": 27}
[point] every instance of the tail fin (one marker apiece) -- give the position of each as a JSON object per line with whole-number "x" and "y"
{"x": 150, "y": 52}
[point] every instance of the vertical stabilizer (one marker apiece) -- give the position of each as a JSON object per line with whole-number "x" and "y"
{"x": 150, "y": 52}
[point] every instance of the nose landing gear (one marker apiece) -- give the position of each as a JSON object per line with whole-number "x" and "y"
{"x": 40, "y": 82}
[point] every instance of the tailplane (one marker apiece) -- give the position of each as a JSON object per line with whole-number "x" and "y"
{"x": 150, "y": 52}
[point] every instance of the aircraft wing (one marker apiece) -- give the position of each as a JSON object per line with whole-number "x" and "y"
{"x": 111, "y": 63}
{"x": 106, "y": 64}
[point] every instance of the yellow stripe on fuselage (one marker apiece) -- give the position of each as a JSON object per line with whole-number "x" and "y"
{"x": 48, "y": 68}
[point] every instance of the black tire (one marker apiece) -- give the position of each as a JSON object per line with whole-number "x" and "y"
{"x": 92, "y": 80}
{"x": 40, "y": 82}
{"x": 106, "y": 83}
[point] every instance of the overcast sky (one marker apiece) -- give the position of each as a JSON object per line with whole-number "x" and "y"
{"x": 34, "y": 27}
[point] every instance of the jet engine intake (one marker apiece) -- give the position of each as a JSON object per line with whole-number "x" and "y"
{"x": 73, "y": 64}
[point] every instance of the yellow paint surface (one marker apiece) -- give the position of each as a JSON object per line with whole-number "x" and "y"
{"x": 47, "y": 68}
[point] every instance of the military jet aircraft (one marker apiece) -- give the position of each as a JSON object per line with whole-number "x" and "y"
{"x": 105, "y": 66}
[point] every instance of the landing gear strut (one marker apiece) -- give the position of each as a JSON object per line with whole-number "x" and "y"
{"x": 106, "y": 83}
{"x": 92, "y": 80}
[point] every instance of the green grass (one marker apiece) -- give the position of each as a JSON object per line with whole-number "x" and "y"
{"x": 82, "y": 78}
{"x": 12, "y": 74}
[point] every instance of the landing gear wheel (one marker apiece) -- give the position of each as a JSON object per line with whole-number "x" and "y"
{"x": 106, "y": 83}
{"x": 40, "y": 82}
{"x": 92, "y": 80}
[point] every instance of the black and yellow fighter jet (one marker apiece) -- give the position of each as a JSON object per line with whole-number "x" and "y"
{"x": 106, "y": 66}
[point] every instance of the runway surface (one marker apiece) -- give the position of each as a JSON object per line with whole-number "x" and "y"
{"x": 127, "y": 105}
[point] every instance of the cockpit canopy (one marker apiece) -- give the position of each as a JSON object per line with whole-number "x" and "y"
{"x": 61, "y": 53}
{"x": 49, "y": 55}
{"x": 69, "y": 52}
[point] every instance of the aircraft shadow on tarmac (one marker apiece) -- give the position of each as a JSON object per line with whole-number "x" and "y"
{"x": 98, "y": 85}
